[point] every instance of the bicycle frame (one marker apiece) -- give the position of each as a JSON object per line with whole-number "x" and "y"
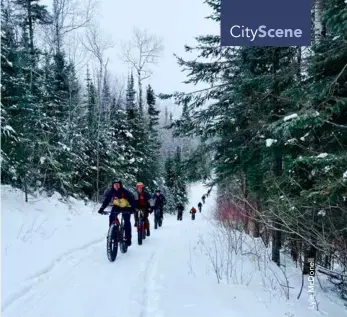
{"x": 116, "y": 220}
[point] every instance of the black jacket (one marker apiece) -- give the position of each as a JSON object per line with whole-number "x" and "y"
{"x": 180, "y": 207}
{"x": 121, "y": 193}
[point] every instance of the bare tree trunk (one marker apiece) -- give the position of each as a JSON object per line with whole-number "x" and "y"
{"x": 56, "y": 15}
{"x": 140, "y": 53}
{"x": 276, "y": 232}
{"x": 245, "y": 205}
{"x": 299, "y": 61}
{"x": 69, "y": 16}
{"x": 25, "y": 188}
{"x": 139, "y": 80}
{"x": 32, "y": 65}
{"x": 98, "y": 131}
{"x": 318, "y": 20}
{"x": 97, "y": 46}
{"x": 277, "y": 166}
{"x": 31, "y": 30}
{"x": 256, "y": 232}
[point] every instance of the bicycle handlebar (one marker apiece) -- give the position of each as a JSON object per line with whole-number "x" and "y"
{"x": 119, "y": 212}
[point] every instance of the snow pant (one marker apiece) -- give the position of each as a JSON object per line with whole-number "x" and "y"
{"x": 127, "y": 221}
{"x": 145, "y": 217}
{"x": 161, "y": 211}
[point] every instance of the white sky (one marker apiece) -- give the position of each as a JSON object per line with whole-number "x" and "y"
{"x": 176, "y": 22}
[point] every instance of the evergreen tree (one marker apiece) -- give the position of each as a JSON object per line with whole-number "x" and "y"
{"x": 275, "y": 112}
{"x": 152, "y": 112}
{"x": 154, "y": 144}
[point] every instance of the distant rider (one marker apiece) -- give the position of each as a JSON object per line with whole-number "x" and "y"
{"x": 159, "y": 202}
{"x": 180, "y": 209}
{"x": 200, "y": 206}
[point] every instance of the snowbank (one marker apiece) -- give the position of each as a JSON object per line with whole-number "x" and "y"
{"x": 38, "y": 234}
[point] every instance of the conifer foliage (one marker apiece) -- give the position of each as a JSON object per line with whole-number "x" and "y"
{"x": 59, "y": 134}
{"x": 274, "y": 122}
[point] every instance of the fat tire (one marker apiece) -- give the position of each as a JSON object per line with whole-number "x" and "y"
{"x": 112, "y": 242}
{"x": 155, "y": 220}
{"x": 139, "y": 232}
{"x": 123, "y": 245}
{"x": 143, "y": 232}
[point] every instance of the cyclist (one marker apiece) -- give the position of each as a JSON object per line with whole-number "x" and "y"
{"x": 180, "y": 209}
{"x": 142, "y": 202}
{"x": 203, "y": 198}
{"x": 159, "y": 202}
{"x": 122, "y": 200}
{"x": 199, "y": 206}
{"x": 193, "y": 212}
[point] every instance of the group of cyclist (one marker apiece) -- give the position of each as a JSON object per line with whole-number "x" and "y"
{"x": 180, "y": 207}
{"x": 125, "y": 202}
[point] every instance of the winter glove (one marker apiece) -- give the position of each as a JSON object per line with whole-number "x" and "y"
{"x": 101, "y": 212}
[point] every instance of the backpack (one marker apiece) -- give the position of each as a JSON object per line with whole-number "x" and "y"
{"x": 121, "y": 202}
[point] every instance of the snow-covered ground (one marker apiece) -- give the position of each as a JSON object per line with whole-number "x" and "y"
{"x": 54, "y": 264}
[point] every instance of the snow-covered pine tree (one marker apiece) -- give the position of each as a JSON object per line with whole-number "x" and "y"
{"x": 154, "y": 144}
{"x": 139, "y": 132}
{"x": 21, "y": 94}
{"x": 249, "y": 85}
{"x": 315, "y": 138}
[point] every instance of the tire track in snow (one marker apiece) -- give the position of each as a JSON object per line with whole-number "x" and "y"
{"x": 45, "y": 289}
{"x": 61, "y": 257}
{"x": 39, "y": 277}
{"x": 144, "y": 299}
{"x": 146, "y": 288}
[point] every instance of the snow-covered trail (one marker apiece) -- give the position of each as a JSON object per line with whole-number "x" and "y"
{"x": 55, "y": 265}
{"x": 154, "y": 279}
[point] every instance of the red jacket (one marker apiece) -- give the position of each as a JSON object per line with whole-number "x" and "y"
{"x": 193, "y": 211}
{"x": 142, "y": 200}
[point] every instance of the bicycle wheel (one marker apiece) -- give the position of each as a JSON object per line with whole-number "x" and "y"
{"x": 122, "y": 243}
{"x": 139, "y": 232}
{"x": 112, "y": 242}
{"x": 155, "y": 220}
{"x": 143, "y": 230}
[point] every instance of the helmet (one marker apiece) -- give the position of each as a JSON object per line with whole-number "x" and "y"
{"x": 116, "y": 180}
{"x": 139, "y": 184}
